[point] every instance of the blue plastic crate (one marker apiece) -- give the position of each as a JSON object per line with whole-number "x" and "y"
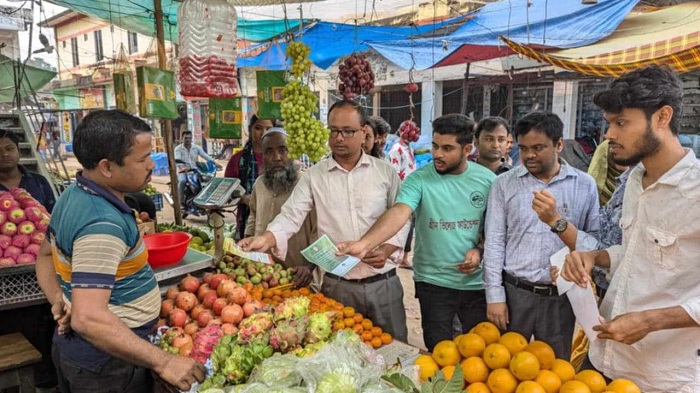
{"x": 157, "y": 201}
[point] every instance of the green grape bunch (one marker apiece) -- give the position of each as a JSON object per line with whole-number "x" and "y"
{"x": 307, "y": 135}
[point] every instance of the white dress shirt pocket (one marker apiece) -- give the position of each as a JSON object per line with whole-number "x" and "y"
{"x": 662, "y": 248}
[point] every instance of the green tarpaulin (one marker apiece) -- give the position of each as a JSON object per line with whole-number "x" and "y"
{"x": 138, "y": 16}
{"x": 34, "y": 78}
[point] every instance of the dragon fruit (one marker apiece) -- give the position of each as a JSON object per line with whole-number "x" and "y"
{"x": 319, "y": 328}
{"x": 205, "y": 341}
{"x": 255, "y": 326}
{"x": 295, "y": 307}
{"x": 288, "y": 334}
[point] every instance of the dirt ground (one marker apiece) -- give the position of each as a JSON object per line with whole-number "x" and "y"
{"x": 415, "y": 332}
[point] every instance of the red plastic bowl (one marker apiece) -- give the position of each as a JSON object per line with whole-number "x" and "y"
{"x": 166, "y": 248}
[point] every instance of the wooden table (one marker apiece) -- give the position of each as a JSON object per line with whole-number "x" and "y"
{"x": 17, "y": 356}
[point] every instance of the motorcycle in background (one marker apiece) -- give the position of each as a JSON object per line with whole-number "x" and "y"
{"x": 197, "y": 178}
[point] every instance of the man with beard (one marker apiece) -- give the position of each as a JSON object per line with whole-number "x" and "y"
{"x": 533, "y": 212}
{"x": 270, "y": 192}
{"x": 652, "y": 308}
{"x": 94, "y": 268}
{"x": 349, "y": 190}
{"x": 491, "y": 141}
{"x": 449, "y": 200}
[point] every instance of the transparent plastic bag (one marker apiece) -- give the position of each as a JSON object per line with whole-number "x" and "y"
{"x": 277, "y": 372}
{"x": 343, "y": 365}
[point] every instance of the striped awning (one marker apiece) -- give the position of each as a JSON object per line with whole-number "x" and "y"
{"x": 668, "y": 36}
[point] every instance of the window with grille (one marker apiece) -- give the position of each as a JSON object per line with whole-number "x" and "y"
{"x": 133, "y": 42}
{"x": 74, "y": 51}
{"x": 99, "y": 52}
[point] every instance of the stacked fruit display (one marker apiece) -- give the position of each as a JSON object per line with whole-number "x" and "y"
{"x": 409, "y": 131}
{"x": 150, "y": 190}
{"x": 495, "y": 363}
{"x": 356, "y": 76}
{"x": 23, "y": 224}
{"x": 307, "y": 135}
{"x": 243, "y": 271}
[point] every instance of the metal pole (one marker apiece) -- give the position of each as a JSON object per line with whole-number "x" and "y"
{"x": 167, "y": 125}
{"x": 465, "y": 90}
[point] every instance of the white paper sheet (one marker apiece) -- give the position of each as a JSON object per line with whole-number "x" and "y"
{"x": 558, "y": 260}
{"x": 585, "y": 308}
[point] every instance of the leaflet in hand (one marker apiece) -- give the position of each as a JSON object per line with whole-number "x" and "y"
{"x": 585, "y": 308}
{"x": 558, "y": 260}
{"x": 232, "y": 248}
{"x": 322, "y": 253}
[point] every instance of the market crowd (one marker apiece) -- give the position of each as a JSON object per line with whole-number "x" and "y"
{"x": 484, "y": 230}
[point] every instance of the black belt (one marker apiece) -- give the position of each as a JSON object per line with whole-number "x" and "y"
{"x": 367, "y": 280}
{"x": 537, "y": 289}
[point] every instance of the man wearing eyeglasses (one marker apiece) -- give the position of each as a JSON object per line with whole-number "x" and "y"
{"x": 350, "y": 190}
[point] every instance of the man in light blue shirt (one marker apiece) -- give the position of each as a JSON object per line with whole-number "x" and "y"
{"x": 534, "y": 210}
{"x": 188, "y": 153}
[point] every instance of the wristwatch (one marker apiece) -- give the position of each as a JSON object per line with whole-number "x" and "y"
{"x": 560, "y": 226}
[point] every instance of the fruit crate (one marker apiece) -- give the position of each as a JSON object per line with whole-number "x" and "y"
{"x": 157, "y": 201}
{"x": 19, "y": 287}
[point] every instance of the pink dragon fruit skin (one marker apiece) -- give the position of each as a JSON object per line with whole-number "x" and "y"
{"x": 205, "y": 341}
{"x": 255, "y": 325}
{"x": 288, "y": 334}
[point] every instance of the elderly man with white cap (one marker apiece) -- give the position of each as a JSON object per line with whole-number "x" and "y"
{"x": 270, "y": 191}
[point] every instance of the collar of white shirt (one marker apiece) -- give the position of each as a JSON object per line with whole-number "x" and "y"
{"x": 674, "y": 175}
{"x": 333, "y": 164}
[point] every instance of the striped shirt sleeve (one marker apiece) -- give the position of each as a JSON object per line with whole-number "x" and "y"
{"x": 95, "y": 261}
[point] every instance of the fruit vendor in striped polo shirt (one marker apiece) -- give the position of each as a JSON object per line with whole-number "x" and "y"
{"x": 95, "y": 270}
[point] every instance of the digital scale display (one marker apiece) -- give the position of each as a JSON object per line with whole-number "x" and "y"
{"x": 217, "y": 193}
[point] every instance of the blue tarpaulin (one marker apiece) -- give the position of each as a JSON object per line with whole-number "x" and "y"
{"x": 557, "y": 24}
{"x": 330, "y": 41}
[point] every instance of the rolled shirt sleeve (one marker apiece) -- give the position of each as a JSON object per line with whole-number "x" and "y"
{"x": 692, "y": 307}
{"x": 495, "y": 245}
{"x": 616, "y": 253}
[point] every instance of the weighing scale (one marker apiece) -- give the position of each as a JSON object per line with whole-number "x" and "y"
{"x": 220, "y": 193}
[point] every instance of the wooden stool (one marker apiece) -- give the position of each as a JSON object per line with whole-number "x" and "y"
{"x": 16, "y": 358}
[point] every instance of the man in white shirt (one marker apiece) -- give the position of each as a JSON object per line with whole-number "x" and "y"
{"x": 349, "y": 191}
{"x": 188, "y": 153}
{"x": 652, "y": 309}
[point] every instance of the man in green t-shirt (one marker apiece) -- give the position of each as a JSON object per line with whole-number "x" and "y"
{"x": 449, "y": 201}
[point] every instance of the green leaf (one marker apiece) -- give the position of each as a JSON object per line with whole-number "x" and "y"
{"x": 438, "y": 383}
{"x": 401, "y": 382}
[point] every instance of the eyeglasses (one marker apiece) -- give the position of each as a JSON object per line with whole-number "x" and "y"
{"x": 346, "y": 133}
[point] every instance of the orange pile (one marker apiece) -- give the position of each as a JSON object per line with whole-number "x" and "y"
{"x": 495, "y": 363}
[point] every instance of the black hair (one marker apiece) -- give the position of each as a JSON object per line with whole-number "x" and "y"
{"x": 383, "y": 128}
{"x": 648, "y": 89}
{"x": 106, "y": 134}
{"x": 187, "y": 132}
{"x": 9, "y": 135}
{"x": 455, "y": 124}
{"x": 368, "y": 121}
{"x": 489, "y": 124}
{"x": 545, "y": 122}
{"x": 348, "y": 104}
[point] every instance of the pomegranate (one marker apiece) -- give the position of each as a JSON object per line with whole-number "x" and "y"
{"x": 172, "y": 293}
{"x": 249, "y": 308}
{"x": 225, "y": 287}
{"x": 186, "y": 350}
{"x": 185, "y": 301}
{"x": 209, "y": 298}
{"x": 215, "y": 321}
{"x": 232, "y": 314}
{"x": 204, "y": 318}
{"x": 189, "y": 284}
{"x": 238, "y": 296}
{"x": 217, "y": 279}
{"x": 166, "y": 307}
{"x": 228, "y": 328}
{"x": 181, "y": 340}
{"x": 194, "y": 313}
{"x": 191, "y": 328}
{"x": 204, "y": 288}
{"x": 207, "y": 277}
{"x": 161, "y": 322}
{"x": 177, "y": 317}
{"x": 219, "y": 305}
